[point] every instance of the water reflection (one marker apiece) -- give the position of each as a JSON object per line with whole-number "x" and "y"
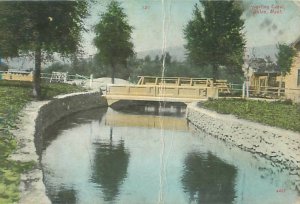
{"x": 110, "y": 166}
{"x": 70, "y": 122}
{"x": 207, "y": 179}
{"x": 106, "y": 156}
{"x": 153, "y": 108}
{"x": 66, "y": 196}
{"x": 117, "y": 119}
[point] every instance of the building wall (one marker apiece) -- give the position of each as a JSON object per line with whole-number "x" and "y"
{"x": 292, "y": 89}
{"x": 266, "y": 84}
{"x": 17, "y": 76}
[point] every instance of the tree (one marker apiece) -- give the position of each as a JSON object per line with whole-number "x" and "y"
{"x": 147, "y": 59}
{"x": 284, "y": 61}
{"x": 41, "y": 28}
{"x": 167, "y": 57}
{"x": 58, "y": 67}
{"x": 285, "y": 58}
{"x": 113, "y": 35}
{"x": 214, "y": 36}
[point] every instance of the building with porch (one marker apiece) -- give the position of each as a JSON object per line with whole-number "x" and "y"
{"x": 292, "y": 79}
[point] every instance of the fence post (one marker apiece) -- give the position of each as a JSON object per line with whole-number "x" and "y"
{"x": 65, "y": 77}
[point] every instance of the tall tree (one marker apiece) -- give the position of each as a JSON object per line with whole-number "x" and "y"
{"x": 214, "y": 36}
{"x": 284, "y": 61}
{"x": 113, "y": 35}
{"x": 41, "y": 28}
{"x": 285, "y": 58}
{"x": 167, "y": 58}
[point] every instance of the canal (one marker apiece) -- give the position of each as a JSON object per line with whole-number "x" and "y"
{"x": 146, "y": 154}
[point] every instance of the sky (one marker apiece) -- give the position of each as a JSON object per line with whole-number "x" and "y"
{"x": 267, "y": 22}
{"x": 160, "y": 23}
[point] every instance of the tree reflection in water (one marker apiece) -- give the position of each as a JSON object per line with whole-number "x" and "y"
{"x": 110, "y": 167}
{"x": 65, "y": 195}
{"x": 207, "y": 179}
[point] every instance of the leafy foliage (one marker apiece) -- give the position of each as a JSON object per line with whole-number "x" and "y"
{"x": 13, "y": 97}
{"x": 12, "y": 100}
{"x": 3, "y": 67}
{"x": 84, "y": 67}
{"x": 214, "y": 36}
{"x": 141, "y": 67}
{"x": 279, "y": 114}
{"x": 58, "y": 67}
{"x": 53, "y": 26}
{"x": 174, "y": 68}
{"x": 113, "y": 35}
{"x": 285, "y": 58}
{"x": 39, "y": 28}
{"x": 263, "y": 65}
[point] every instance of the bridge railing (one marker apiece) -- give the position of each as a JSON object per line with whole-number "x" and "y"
{"x": 223, "y": 85}
{"x": 178, "y": 81}
{"x": 162, "y": 91}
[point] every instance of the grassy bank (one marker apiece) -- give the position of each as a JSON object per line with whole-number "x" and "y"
{"x": 279, "y": 114}
{"x": 13, "y": 97}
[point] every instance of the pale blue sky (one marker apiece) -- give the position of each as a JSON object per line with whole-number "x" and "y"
{"x": 146, "y": 16}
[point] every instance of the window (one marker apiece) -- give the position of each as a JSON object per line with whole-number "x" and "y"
{"x": 298, "y": 79}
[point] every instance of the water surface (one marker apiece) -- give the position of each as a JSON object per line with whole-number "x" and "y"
{"x": 151, "y": 155}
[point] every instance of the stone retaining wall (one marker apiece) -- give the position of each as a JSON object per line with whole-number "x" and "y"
{"x": 35, "y": 118}
{"x": 278, "y": 145}
{"x": 62, "y": 106}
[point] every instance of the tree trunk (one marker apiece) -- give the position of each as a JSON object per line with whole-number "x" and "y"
{"x": 113, "y": 72}
{"x": 215, "y": 72}
{"x": 37, "y": 74}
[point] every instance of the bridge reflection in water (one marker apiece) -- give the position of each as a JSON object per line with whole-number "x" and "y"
{"x": 149, "y": 116}
{"x": 117, "y": 119}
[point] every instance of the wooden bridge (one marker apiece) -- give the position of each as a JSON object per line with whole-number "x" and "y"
{"x": 167, "y": 89}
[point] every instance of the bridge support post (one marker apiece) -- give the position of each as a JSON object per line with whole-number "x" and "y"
{"x": 212, "y": 92}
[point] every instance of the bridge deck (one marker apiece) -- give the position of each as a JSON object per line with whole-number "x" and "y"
{"x": 113, "y": 98}
{"x": 173, "y": 89}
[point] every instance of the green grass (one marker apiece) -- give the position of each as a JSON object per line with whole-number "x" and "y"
{"x": 13, "y": 97}
{"x": 279, "y": 114}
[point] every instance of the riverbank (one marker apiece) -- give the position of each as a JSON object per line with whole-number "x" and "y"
{"x": 282, "y": 114}
{"x": 37, "y": 116}
{"x": 278, "y": 145}
{"x": 14, "y": 95}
